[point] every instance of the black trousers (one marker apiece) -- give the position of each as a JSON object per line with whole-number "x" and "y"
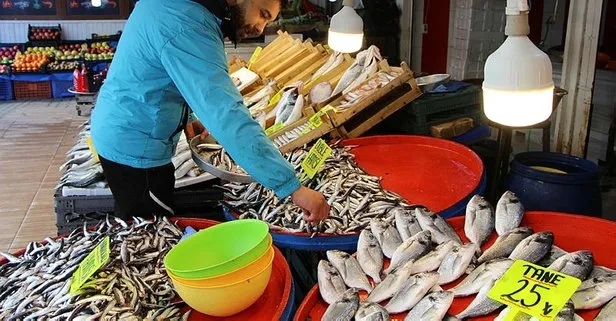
{"x": 140, "y": 192}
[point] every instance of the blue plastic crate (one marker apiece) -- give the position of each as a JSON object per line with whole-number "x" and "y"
{"x": 6, "y": 88}
{"x": 60, "y": 83}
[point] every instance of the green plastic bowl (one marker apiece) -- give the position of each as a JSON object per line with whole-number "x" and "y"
{"x": 219, "y": 249}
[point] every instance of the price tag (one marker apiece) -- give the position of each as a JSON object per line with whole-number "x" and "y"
{"x": 254, "y": 56}
{"x": 274, "y": 128}
{"x": 276, "y": 98}
{"x": 316, "y": 158}
{"x": 534, "y": 290}
{"x": 91, "y": 147}
{"x": 89, "y": 265}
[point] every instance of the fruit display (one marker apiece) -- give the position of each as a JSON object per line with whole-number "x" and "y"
{"x": 4, "y": 69}
{"x": 100, "y": 51}
{"x": 30, "y": 62}
{"x": 63, "y": 66}
{"x": 70, "y": 51}
{"x": 42, "y": 33}
{"x": 7, "y": 54}
{"x": 48, "y": 51}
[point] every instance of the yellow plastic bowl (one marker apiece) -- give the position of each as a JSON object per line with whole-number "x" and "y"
{"x": 225, "y": 300}
{"x": 240, "y": 274}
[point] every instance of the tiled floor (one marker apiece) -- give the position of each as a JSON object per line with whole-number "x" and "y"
{"x": 34, "y": 137}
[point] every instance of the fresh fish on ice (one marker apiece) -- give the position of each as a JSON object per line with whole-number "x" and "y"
{"x": 534, "y": 247}
{"x": 387, "y": 235}
{"x": 411, "y": 249}
{"x": 486, "y": 273}
{"x": 509, "y": 213}
{"x": 479, "y": 220}
{"x": 370, "y": 255}
{"x": 406, "y": 223}
{"x": 411, "y": 292}
{"x": 505, "y": 244}
{"x": 343, "y": 309}
{"x": 349, "y": 268}
{"x": 440, "y": 229}
{"x": 455, "y": 262}
{"x": 432, "y": 307}
{"x": 576, "y": 264}
{"x": 331, "y": 283}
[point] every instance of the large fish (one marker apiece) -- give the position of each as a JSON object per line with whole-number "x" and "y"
{"x": 432, "y": 260}
{"x": 432, "y": 307}
{"x": 534, "y": 247}
{"x": 406, "y": 223}
{"x": 343, "y": 309}
{"x": 331, "y": 284}
{"x": 479, "y": 220}
{"x": 390, "y": 285}
{"x": 387, "y": 235}
{"x": 576, "y": 264}
{"x": 289, "y": 108}
{"x": 411, "y": 249}
{"x": 369, "y": 311}
{"x": 351, "y": 73}
{"x": 486, "y": 273}
{"x": 595, "y": 292}
{"x": 509, "y": 213}
{"x": 481, "y": 305}
{"x": 334, "y": 60}
{"x": 349, "y": 268}
{"x": 370, "y": 68}
{"x": 599, "y": 270}
{"x": 455, "y": 262}
{"x": 440, "y": 229}
{"x": 411, "y": 292}
{"x": 370, "y": 255}
{"x": 608, "y": 312}
{"x": 505, "y": 244}
{"x": 555, "y": 253}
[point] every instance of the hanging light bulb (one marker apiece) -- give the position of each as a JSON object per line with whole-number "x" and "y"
{"x": 97, "y": 3}
{"x": 346, "y": 29}
{"x": 518, "y": 87}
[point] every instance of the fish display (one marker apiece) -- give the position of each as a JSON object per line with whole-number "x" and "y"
{"x": 364, "y": 66}
{"x": 320, "y": 92}
{"x": 132, "y": 285}
{"x": 411, "y": 249}
{"x": 482, "y": 275}
{"x": 432, "y": 307}
{"x": 289, "y": 108}
{"x": 377, "y": 81}
{"x": 505, "y": 244}
{"x": 291, "y": 134}
{"x": 331, "y": 284}
{"x": 349, "y": 269}
{"x": 343, "y": 309}
{"x": 479, "y": 220}
{"x": 509, "y": 213}
{"x": 440, "y": 230}
{"x": 533, "y": 248}
{"x": 411, "y": 292}
{"x": 370, "y": 255}
{"x": 576, "y": 264}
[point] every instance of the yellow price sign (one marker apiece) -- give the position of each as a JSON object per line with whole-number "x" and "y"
{"x": 254, "y": 56}
{"x": 534, "y": 290}
{"x": 97, "y": 258}
{"x": 274, "y": 128}
{"x": 316, "y": 158}
{"x": 276, "y": 98}
{"x": 91, "y": 147}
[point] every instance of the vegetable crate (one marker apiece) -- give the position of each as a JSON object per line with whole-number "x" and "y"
{"x": 30, "y": 90}
{"x": 6, "y": 88}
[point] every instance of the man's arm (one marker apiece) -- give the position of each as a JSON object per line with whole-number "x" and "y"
{"x": 196, "y": 63}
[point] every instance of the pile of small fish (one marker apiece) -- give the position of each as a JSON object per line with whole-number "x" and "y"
{"x": 424, "y": 253}
{"x": 185, "y": 167}
{"x": 354, "y": 196}
{"x": 132, "y": 285}
{"x": 218, "y": 157}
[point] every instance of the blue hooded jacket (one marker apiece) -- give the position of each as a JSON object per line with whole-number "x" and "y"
{"x": 172, "y": 51}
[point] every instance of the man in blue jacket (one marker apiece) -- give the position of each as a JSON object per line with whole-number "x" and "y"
{"x": 172, "y": 51}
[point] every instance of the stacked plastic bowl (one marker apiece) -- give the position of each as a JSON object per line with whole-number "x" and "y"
{"x": 224, "y": 269}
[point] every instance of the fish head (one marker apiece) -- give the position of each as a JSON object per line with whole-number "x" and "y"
{"x": 511, "y": 203}
{"x": 337, "y": 256}
{"x": 441, "y": 298}
{"x": 326, "y": 268}
{"x": 368, "y": 237}
{"x": 423, "y": 238}
{"x": 378, "y": 226}
{"x": 544, "y": 238}
{"x": 525, "y": 231}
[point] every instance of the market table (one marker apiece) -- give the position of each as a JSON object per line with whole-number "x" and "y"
{"x": 571, "y": 233}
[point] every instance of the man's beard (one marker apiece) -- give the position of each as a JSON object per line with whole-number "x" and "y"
{"x": 238, "y": 18}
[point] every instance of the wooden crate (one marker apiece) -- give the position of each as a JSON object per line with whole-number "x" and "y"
{"x": 314, "y": 134}
{"x": 333, "y": 76}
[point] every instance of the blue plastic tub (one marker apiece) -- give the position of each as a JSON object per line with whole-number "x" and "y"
{"x": 577, "y": 191}
{"x": 60, "y": 83}
{"x": 6, "y": 88}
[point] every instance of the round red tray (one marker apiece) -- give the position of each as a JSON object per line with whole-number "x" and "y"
{"x": 571, "y": 233}
{"x": 433, "y": 172}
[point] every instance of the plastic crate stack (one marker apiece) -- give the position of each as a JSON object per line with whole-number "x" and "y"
{"x": 83, "y": 194}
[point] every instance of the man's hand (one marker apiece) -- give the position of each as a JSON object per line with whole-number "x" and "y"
{"x": 195, "y": 128}
{"x": 313, "y": 203}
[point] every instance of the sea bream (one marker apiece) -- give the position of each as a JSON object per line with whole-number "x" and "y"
{"x": 455, "y": 262}
{"x": 331, "y": 283}
{"x": 481, "y": 305}
{"x": 387, "y": 235}
{"x": 370, "y": 255}
{"x": 349, "y": 268}
{"x": 369, "y": 311}
{"x": 595, "y": 292}
{"x": 411, "y": 292}
{"x": 479, "y": 220}
{"x": 432, "y": 307}
{"x": 576, "y": 264}
{"x": 607, "y": 312}
{"x": 534, "y": 247}
{"x": 554, "y": 253}
{"x": 289, "y": 108}
{"x": 440, "y": 230}
{"x": 505, "y": 244}
{"x": 431, "y": 261}
{"x": 486, "y": 273}
{"x": 411, "y": 249}
{"x": 344, "y": 309}
{"x": 390, "y": 285}
{"x": 406, "y": 223}
{"x": 509, "y": 213}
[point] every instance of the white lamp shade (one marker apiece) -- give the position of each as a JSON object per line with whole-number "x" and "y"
{"x": 97, "y": 3}
{"x": 518, "y": 87}
{"x": 346, "y": 31}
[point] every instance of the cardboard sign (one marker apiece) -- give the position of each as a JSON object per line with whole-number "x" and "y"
{"x": 97, "y": 258}
{"x": 316, "y": 158}
{"x": 92, "y": 149}
{"x": 274, "y": 128}
{"x": 254, "y": 56}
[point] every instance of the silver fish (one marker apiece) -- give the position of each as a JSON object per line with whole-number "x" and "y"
{"x": 411, "y": 292}
{"x": 505, "y": 244}
{"x": 576, "y": 264}
{"x": 555, "y": 253}
{"x": 440, "y": 229}
{"x": 369, "y": 311}
{"x": 594, "y": 293}
{"x": 406, "y": 223}
{"x": 370, "y": 255}
{"x": 534, "y": 247}
{"x": 387, "y": 235}
{"x": 349, "y": 76}
{"x": 509, "y": 213}
{"x": 432, "y": 307}
{"x": 455, "y": 262}
{"x": 349, "y": 268}
{"x": 449, "y": 317}
{"x": 331, "y": 284}
{"x": 479, "y": 220}
{"x": 343, "y": 309}
{"x": 485, "y": 273}
{"x": 518, "y": 317}
{"x": 432, "y": 260}
{"x": 411, "y": 249}
{"x": 599, "y": 270}
{"x": 481, "y": 305}
{"x": 566, "y": 314}
{"x": 607, "y": 312}
{"x": 390, "y": 285}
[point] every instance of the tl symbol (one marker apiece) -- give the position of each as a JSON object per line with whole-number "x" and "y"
{"x": 547, "y": 309}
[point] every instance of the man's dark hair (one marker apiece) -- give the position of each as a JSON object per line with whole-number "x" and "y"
{"x": 282, "y": 3}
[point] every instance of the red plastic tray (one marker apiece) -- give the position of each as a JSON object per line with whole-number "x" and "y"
{"x": 571, "y": 233}
{"x": 270, "y": 306}
{"x": 433, "y": 172}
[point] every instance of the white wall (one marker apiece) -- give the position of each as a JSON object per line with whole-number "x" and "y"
{"x": 16, "y": 31}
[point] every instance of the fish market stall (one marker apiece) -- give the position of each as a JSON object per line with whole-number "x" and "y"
{"x": 557, "y": 238}
{"x": 132, "y": 285}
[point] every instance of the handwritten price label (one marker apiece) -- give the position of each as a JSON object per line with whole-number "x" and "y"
{"x": 97, "y": 258}
{"x": 254, "y": 56}
{"x": 91, "y": 147}
{"x": 316, "y": 158}
{"x": 534, "y": 290}
{"x": 274, "y": 128}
